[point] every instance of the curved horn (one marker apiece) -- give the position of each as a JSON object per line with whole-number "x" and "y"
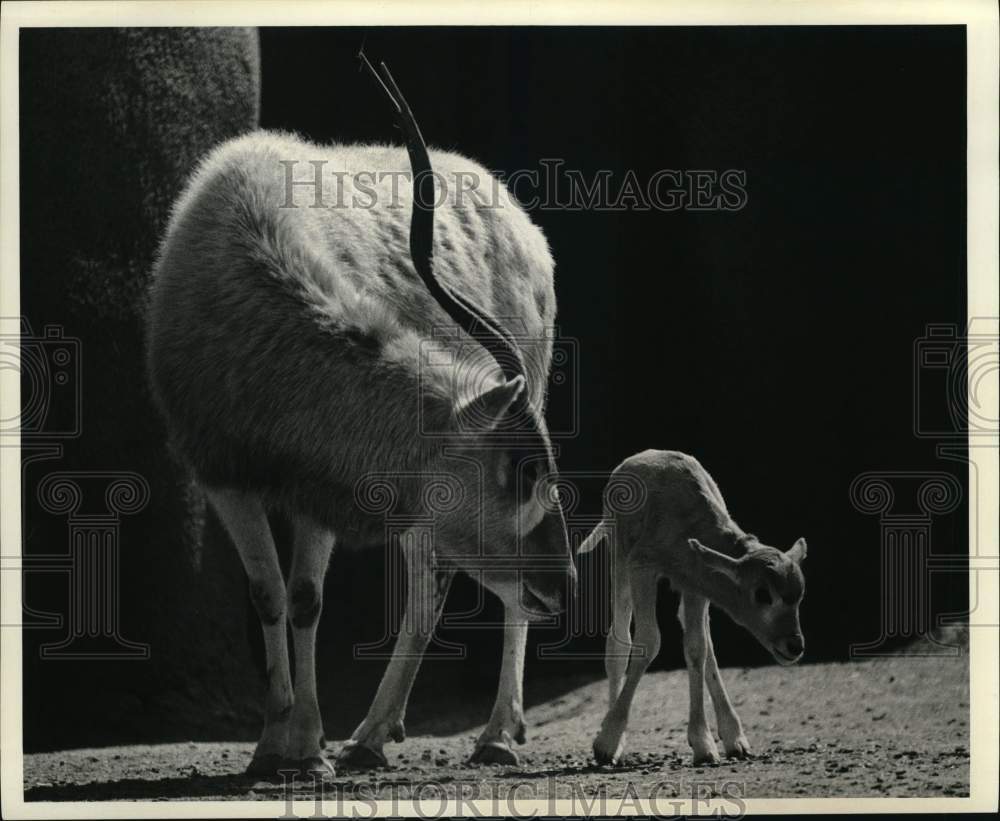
{"x": 500, "y": 344}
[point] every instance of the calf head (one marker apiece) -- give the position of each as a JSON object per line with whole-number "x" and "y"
{"x": 762, "y": 591}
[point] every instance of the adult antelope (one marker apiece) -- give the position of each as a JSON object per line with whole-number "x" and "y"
{"x": 290, "y": 350}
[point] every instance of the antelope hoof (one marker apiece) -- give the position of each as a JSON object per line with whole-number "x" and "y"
{"x": 397, "y": 732}
{"x": 519, "y": 733}
{"x": 313, "y": 767}
{"x": 608, "y": 754}
{"x": 705, "y": 757}
{"x": 740, "y": 748}
{"x": 356, "y": 756}
{"x": 494, "y": 752}
{"x": 266, "y": 766}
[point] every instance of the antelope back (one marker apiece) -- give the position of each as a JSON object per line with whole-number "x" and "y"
{"x": 294, "y": 349}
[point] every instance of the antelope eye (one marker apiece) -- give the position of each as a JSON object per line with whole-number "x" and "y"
{"x": 523, "y": 476}
{"x": 762, "y": 596}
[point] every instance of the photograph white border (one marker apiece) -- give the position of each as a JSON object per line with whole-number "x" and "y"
{"x": 983, "y": 111}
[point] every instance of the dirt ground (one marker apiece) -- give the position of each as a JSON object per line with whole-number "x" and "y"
{"x": 895, "y": 726}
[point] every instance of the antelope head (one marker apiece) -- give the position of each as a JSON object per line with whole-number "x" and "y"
{"x": 510, "y": 532}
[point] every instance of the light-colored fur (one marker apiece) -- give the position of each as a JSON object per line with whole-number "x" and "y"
{"x": 296, "y": 353}
{"x": 684, "y": 533}
{"x": 285, "y": 343}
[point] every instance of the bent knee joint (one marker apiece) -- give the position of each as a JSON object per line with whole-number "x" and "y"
{"x": 647, "y": 646}
{"x": 305, "y": 602}
{"x": 695, "y": 648}
{"x": 268, "y": 600}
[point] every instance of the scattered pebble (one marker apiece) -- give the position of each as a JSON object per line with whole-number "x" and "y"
{"x": 926, "y": 757}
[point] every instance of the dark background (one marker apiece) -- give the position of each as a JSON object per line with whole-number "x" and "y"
{"x": 775, "y": 343}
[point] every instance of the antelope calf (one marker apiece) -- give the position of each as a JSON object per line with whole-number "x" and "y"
{"x": 683, "y": 532}
{"x": 289, "y": 348}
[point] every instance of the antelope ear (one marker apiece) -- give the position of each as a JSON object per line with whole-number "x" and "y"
{"x": 713, "y": 560}
{"x": 483, "y": 413}
{"x": 797, "y": 552}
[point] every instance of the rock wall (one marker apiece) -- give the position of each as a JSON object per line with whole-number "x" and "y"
{"x": 112, "y": 121}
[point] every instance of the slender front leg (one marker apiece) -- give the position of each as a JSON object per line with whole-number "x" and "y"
{"x": 693, "y": 617}
{"x": 610, "y": 742}
{"x": 244, "y": 518}
{"x": 506, "y": 723}
{"x": 425, "y": 595}
{"x": 312, "y": 547}
{"x": 734, "y": 742}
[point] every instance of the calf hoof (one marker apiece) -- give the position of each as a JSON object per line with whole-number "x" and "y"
{"x": 607, "y": 749}
{"x": 608, "y": 753}
{"x": 356, "y": 756}
{"x": 266, "y": 766}
{"x": 494, "y": 752}
{"x": 740, "y": 748}
{"x": 313, "y": 767}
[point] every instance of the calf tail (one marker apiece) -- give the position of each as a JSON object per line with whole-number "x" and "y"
{"x": 598, "y": 535}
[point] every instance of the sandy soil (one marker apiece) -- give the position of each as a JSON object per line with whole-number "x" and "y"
{"x": 894, "y": 726}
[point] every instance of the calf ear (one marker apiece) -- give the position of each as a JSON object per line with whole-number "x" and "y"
{"x": 713, "y": 560}
{"x": 484, "y": 413}
{"x": 797, "y": 552}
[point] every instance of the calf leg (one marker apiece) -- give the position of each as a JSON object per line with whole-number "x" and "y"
{"x": 312, "y": 547}
{"x": 506, "y": 723}
{"x": 734, "y": 742}
{"x": 426, "y": 592}
{"x": 618, "y": 646}
{"x": 244, "y": 518}
{"x": 610, "y": 741}
{"x": 693, "y": 616}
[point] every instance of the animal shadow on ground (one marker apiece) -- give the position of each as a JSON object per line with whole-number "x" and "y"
{"x": 253, "y": 787}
